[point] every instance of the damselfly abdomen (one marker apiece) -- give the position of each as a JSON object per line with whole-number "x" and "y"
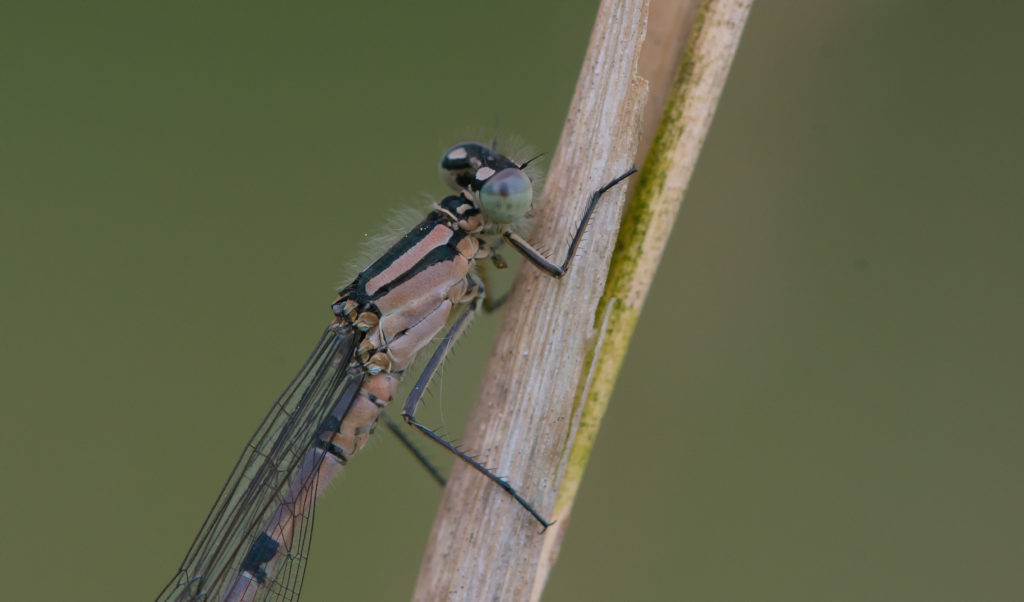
{"x": 253, "y": 544}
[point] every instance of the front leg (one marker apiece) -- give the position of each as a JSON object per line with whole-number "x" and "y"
{"x": 534, "y": 256}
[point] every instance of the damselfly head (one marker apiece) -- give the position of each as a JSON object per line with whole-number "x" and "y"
{"x": 503, "y": 189}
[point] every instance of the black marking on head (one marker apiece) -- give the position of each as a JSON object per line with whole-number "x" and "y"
{"x": 461, "y": 162}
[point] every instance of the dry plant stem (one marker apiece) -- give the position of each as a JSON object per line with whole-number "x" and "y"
{"x": 646, "y": 225}
{"x": 668, "y": 29}
{"x": 552, "y": 371}
{"x": 483, "y": 545}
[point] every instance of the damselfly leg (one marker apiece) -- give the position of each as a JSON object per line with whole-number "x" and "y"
{"x": 554, "y": 270}
{"x": 399, "y": 432}
{"x": 536, "y": 258}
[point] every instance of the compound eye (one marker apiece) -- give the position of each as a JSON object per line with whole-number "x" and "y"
{"x": 507, "y": 196}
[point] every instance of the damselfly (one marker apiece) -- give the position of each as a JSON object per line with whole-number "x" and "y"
{"x": 255, "y": 540}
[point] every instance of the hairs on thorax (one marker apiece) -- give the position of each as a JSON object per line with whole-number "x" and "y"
{"x": 386, "y": 233}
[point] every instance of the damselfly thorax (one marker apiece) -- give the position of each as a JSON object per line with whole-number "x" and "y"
{"x": 254, "y": 542}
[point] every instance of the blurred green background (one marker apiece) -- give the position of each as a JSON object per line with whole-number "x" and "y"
{"x": 823, "y": 398}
